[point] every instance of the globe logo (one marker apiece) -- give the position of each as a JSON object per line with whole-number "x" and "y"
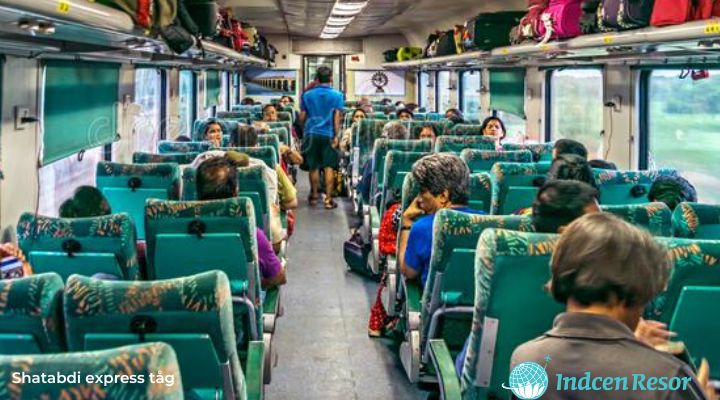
{"x": 528, "y": 380}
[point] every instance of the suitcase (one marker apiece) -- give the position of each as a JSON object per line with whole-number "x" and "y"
{"x": 490, "y": 30}
{"x": 431, "y": 46}
{"x": 409, "y": 53}
{"x": 624, "y": 14}
{"x": 147, "y": 14}
{"x": 390, "y": 55}
{"x": 526, "y": 29}
{"x": 356, "y": 253}
{"x": 177, "y": 38}
{"x": 446, "y": 44}
{"x": 589, "y": 19}
{"x": 675, "y": 12}
{"x": 205, "y": 14}
{"x": 560, "y": 20}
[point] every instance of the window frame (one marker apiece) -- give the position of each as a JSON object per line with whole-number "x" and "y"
{"x": 164, "y": 100}
{"x": 644, "y": 119}
{"x": 437, "y": 89}
{"x": 461, "y": 89}
{"x": 161, "y": 100}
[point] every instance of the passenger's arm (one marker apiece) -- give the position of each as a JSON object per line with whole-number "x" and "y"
{"x": 277, "y": 280}
{"x": 338, "y": 119}
{"x": 272, "y": 270}
{"x": 409, "y": 216}
{"x": 303, "y": 117}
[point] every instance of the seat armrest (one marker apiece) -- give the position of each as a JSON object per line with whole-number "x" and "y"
{"x": 272, "y": 301}
{"x": 254, "y": 370}
{"x": 413, "y": 295}
{"x": 445, "y": 368}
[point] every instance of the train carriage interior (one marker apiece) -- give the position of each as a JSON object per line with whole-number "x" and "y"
{"x": 360, "y": 199}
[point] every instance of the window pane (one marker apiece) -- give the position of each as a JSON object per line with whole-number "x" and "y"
{"x": 187, "y": 102}
{"x": 59, "y": 180}
{"x": 514, "y": 127}
{"x": 577, "y": 107}
{"x": 223, "y": 106}
{"x": 423, "y": 90}
{"x": 683, "y": 129}
{"x": 147, "y": 122}
{"x": 443, "y": 91}
{"x": 471, "y": 95}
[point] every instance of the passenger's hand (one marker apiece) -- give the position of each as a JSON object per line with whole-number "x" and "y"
{"x": 703, "y": 377}
{"x": 412, "y": 212}
{"x": 335, "y": 143}
{"x": 653, "y": 333}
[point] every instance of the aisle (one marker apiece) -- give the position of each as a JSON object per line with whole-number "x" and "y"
{"x": 324, "y": 351}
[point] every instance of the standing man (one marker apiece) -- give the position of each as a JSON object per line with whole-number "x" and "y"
{"x": 321, "y": 116}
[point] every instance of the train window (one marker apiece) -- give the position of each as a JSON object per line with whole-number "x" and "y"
{"x": 682, "y": 124}
{"x": 235, "y": 90}
{"x": 187, "y": 102}
{"x": 576, "y": 107}
{"x": 423, "y": 90}
{"x": 514, "y": 127}
{"x": 59, "y": 180}
{"x": 148, "y": 90}
{"x": 444, "y": 100}
{"x": 224, "y": 90}
{"x": 470, "y": 94}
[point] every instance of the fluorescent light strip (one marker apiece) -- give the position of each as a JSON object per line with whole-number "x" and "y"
{"x": 338, "y": 30}
{"x": 341, "y": 16}
{"x": 339, "y": 20}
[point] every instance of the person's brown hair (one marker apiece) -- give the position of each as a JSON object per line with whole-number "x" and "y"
{"x": 601, "y": 258}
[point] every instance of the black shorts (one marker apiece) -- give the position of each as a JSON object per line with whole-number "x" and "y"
{"x": 318, "y": 152}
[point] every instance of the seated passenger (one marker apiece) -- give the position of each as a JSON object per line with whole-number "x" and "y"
{"x": 569, "y": 146}
{"x": 672, "y": 190}
{"x": 412, "y": 107}
{"x": 602, "y": 164}
{"x": 87, "y": 201}
{"x": 365, "y": 104}
{"x": 286, "y": 101}
{"x": 404, "y": 114}
{"x": 571, "y": 167}
{"x": 399, "y": 105}
{"x": 391, "y": 130}
{"x": 346, "y": 140}
{"x": 269, "y": 113}
{"x": 217, "y": 179}
{"x": 213, "y": 133}
{"x": 605, "y": 271}
{"x": 248, "y": 101}
{"x": 13, "y": 264}
{"x": 183, "y": 138}
{"x": 494, "y": 127}
{"x": 428, "y": 132}
{"x": 386, "y": 102}
{"x": 455, "y": 116}
{"x": 443, "y": 179}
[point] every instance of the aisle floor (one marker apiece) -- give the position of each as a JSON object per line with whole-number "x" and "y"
{"x": 322, "y": 343}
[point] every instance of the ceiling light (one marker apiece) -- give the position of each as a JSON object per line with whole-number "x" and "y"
{"x": 339, "y": 20}
{"x": 329, "y": 36}
{"x": 348, "y": 9}
{"x": 331, "y": 30}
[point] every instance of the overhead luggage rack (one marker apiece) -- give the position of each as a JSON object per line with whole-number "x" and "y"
{"x": 48, "y": 28}
{"x": 685, "y": 39}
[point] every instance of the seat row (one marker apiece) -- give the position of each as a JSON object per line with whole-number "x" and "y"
{"x": 93, "y": 319}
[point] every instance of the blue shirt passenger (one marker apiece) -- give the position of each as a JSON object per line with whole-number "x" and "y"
{"x": 320, "y": 105}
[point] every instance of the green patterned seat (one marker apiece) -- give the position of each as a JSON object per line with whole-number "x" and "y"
{"x": 515, "y": 186}
{"x": 655, "y": 217}
{"x": 541, "y": 151}
{"x": 415, "y": 127}
{"x": 235, "y": 114}
{"x": 466, "y": 130}
{"x": 456, "y": 144}
{"x": 280, "y": 124}
{"x": 80, "y": 245}
{"x": 480, "y": 192}
{"x": 379, "y": 115}
{"x": 150, "y": 158}
{"x": 380, "y": 150}
{"x": 284, "y": 116}
{"x": 182, "y": 147}
{"x": 697, "y": 221}
{"x": 282, "y": 134}
{"x": 449, "y": 294}
{"x": 265, "y": 153}
{"x": 31, "y": 315}
{"x": 137, "y": 360}
{"x": 483, "y": 160}
{"x": 246, "y": 107}
{"x": 364, "y": 136}
{"x": 511, "y": 269}
{"x": 127, "y": 186}
{"x": 696, "y": 263}
{"x": 433, "y": 116}
{"x": 270, "y": 140}
{"x": 193, "y": 314}
{"x": 693, "y": 327}
{"x": 626, "y": 187}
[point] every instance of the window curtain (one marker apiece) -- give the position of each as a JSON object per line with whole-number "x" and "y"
{"x": 507, "y": 90}
{"x": 79, "y": 107}
{"x": 212, "y": 88}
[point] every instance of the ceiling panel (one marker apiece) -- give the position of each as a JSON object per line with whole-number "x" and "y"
{"x": 307, "y": 17}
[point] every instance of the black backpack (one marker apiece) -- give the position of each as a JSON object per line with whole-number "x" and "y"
{"x": 446, "y": 44}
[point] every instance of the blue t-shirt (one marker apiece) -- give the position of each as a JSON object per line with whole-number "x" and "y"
{"x": 320, "y": 104}
{"x": 419, "y": 244}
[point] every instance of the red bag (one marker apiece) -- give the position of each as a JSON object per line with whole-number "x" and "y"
{"x": 388, "y": 234}
{"x": 675, "y": 12}
{"x": 527, "y": 28}
{"x": 560, "y": 20}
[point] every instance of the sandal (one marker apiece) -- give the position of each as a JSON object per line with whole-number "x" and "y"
{"x": 330, "y": 204}
{"x": 313, "y": 200}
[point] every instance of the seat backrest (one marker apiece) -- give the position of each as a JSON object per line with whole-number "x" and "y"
{"x": 265, "y": 153}
{"x": 511, "y": 306}
{"x": 655, "y": 217}
{"x": 235, "y": 114}
{"x": 127, "y": 186}
{"x": 280, "y": 124}
{"x": 282, "y": 134}
{"x": 626, "y": 187}
{"x": 433, "y": 116}
{"x": 481, "y": 192}
{"x": 398, "y": 164}
{"x": 419, "y": 116}
{"x": 138, "y": 361}
{"x": 284, "y": 116}
{"x": 364, "y": 136}
{"x": 693, "y": 327}
{"x": 193, "y": 314}
{"x": 379, "y": 115}
{"x": 450, "y": 281}
{"x": 466, "y": 130}
{"x": 31, "y": 315}
{"x": 182, "y": 147}
{"x": 697, "y": 221}
{"x": 456, "y": 144}
{"x": 410, "y": 190}
{"x": 415, "y": 127}
{"x": 695, "y": 263}
{"x": 383, "y": 146}
{"x": 80, "y": 245}
{"x": 227, "y": 125}
{"x": 178, "y": 158}
{"x": 515, "y": 186}
{"x": 541, "y": 151}
{"x": 270, "y": 140}
{"x": 483, "y": 160}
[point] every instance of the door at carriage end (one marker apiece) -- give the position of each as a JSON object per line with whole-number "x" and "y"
{"x": 335, "y": 63}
